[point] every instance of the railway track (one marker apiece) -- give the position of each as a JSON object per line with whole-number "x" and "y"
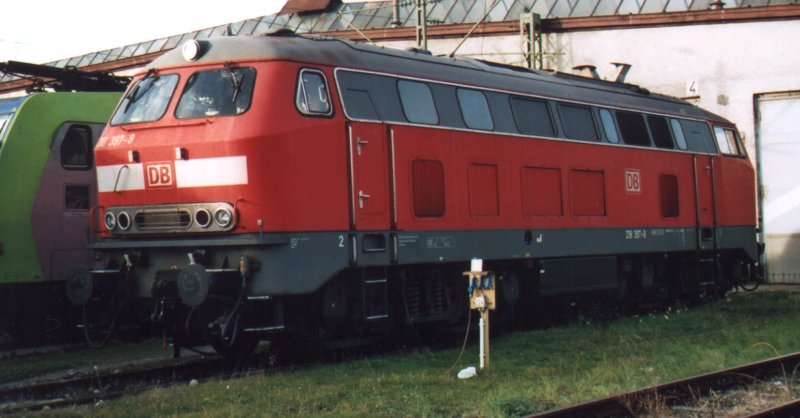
{"x": 109, "y": 384}
{"x": 788, "y": 409}
{"x": 12, "y": 352}
{"x": 641, "y": 402}
{"x": 92, "y": 388}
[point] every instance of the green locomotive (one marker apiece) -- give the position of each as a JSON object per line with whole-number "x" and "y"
{"x": 47, "y": 184}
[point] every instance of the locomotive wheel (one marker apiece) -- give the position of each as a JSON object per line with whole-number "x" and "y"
{"x": 100, "y": 316}
{"x": 750, "y": 281}
{"x": 750, "y": 284}
{"x": 227, "y": 335}
{"x": 98, "y": 325}
{"x": 79, "y": 286}
{"x": 335, "y": 307}
{"x": 508, "y": 295}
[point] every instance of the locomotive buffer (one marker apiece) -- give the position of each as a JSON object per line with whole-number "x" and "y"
{"x": 481, "y": 292}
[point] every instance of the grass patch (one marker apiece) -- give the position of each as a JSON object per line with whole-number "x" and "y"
{"x": 531, "y": 371}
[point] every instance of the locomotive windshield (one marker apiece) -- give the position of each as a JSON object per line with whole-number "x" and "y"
{"x": 8, "y": 108}
{"x": 5, "y": 120}
{"x": 147, "y": 100}
{"x": 223, "y": 92}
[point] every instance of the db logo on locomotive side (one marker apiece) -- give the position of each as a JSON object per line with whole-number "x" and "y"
{"x": 160, "y": 174}
{"x": 633, "y": 181}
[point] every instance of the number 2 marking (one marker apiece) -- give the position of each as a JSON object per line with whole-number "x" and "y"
{"x": 341, "y": 241}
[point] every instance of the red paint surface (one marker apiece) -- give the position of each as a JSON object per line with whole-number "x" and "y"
{"x": 299, "y": 171}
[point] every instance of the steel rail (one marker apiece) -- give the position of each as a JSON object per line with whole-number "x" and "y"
{"x": 632, "y": 404}
{"x": 788, "y": 409}
{"x": 106, "y": 384}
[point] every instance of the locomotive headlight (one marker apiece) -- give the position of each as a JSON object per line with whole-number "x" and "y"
{"x": 124, "y": 221}
{"x": 191, "y": 50}
{"x": 202, "y": 218}
{"x": 110, "y": 221}
{"x": 223, "y": 217}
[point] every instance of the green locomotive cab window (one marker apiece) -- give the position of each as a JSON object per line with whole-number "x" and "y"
{"x": 8, "y": 108}
{"x": 3, "y": 122}
{"x": 223, "y": 92}
{"x": 147, "y": 100}
{"x": 312, "y": 94}
{"x": 76, "y": 148}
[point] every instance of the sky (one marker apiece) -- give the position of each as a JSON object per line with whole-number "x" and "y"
{"x": 40, "y": 32}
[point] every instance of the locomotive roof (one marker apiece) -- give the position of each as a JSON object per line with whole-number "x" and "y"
{"x": 467, "y": 71}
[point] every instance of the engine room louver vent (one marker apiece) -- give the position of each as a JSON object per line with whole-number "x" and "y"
{"x": 425, "y": 299}
{"x": 163, "y": 220}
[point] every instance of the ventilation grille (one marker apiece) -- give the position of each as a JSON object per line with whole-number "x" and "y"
{"x": 176, "y": 219}
{"x": 425, "y": 298}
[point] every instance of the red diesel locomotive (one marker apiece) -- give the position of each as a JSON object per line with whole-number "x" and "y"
{"x": 283, "y": 185}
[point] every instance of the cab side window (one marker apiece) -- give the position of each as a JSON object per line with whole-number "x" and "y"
{"x": 76, "y": 148}
{"x": 312, "y": 96}
{"x": 728, "y": 141}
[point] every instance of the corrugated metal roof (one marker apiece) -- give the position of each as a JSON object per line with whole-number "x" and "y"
{"x": 372, "y": 15}
{"x": 294, "y": 6}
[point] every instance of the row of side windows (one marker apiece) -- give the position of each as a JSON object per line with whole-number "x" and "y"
{"x": 384, "y": 98}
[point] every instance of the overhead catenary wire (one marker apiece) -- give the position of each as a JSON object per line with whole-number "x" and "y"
{"x": 475, "y": 26}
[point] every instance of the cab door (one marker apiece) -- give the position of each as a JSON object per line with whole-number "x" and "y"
{"x": 63, "y": 202}
{"x": 369, "y": 176}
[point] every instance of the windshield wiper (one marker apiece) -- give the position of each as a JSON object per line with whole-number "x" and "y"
{"x": 134, "y": 94}
{"x": 235, "y": 82}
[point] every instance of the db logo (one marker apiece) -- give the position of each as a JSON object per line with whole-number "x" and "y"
{"x": 633, "y": 181}
{"x": 159, "y": 175}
